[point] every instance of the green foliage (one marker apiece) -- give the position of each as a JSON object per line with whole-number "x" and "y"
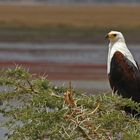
{"x": 36, "y": 110}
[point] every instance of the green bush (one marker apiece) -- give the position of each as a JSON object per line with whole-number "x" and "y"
{"x": 36, "y": 110}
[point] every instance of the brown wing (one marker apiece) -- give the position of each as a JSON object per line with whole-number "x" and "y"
{"x": 124, "y": 77}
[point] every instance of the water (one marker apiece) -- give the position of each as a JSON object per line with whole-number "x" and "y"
{"x": 70, "y": 1}
{"x": 60, "y": 53}
{"x": 83, "y": 64}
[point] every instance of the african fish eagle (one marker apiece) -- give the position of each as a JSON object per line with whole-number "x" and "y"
{"x": 123, "y": 71}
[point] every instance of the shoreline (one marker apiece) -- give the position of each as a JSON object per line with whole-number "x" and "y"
{"x": 61, "y": 71}
{"x": 78, "y": 24}
{"x": 64, "y": 35}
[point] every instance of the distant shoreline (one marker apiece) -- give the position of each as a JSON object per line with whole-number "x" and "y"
{"x": 63, "y": 23}
{"x": 64, "y": 35}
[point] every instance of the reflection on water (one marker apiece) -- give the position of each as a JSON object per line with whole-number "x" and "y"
{"x": 84, "y": 64}
{"x": 60, "y": 53}
{"x": 61, "y": 62}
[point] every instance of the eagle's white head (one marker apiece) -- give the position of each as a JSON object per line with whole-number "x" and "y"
{"x": 117, "y": 43}
{"x": 115, "y": 36}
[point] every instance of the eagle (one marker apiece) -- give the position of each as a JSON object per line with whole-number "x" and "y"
{"x": 122, "y": 69}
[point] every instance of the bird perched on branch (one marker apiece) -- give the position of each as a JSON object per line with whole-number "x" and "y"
{"x": 123, "y": 71}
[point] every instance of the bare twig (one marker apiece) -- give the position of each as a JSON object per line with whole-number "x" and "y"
{"x": 98, "y": 105}
{"x": 85, "y": 135}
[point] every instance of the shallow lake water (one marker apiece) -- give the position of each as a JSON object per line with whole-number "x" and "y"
{"x": 83, "y": 64}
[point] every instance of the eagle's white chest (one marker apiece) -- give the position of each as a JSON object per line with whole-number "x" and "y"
{"x": 121, "y": 47}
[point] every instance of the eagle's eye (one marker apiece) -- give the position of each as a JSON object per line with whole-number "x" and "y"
{"x": 114, "y": 35}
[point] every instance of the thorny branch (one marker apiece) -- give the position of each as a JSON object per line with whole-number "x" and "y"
{"x": 78, "y": 116}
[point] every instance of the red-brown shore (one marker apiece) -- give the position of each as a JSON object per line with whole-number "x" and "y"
{"x": 60, "y": 71}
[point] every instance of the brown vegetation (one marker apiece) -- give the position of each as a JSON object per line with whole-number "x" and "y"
{"x": 102, "y": 16}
